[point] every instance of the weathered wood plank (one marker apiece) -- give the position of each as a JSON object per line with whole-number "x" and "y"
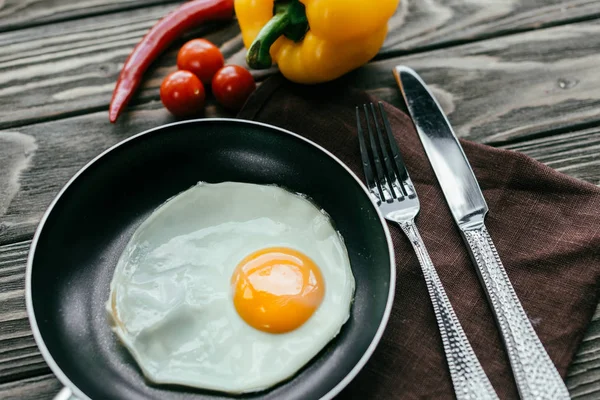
{"x": 510, "y": 87}
{"x": 18, "y": 14}
{"x": 493, "y": 91}
{"x": 43, "y": 387}
{"x": 19, "y": 356}
{"x": 70, "y": 68}
{"x": 572, "y": 153}
{"x": 425, "y": 24}
{"x": 584, "y": 373}
{"x": 37, "y": 160}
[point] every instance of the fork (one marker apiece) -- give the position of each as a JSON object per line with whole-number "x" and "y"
{"x": 392, "y": 190}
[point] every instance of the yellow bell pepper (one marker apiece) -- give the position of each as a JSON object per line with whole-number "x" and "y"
{"x": 313, "y": 41}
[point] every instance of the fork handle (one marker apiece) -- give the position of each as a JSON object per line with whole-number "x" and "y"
{"x": 469, "y": 379}
{"x": 534, "y": 372}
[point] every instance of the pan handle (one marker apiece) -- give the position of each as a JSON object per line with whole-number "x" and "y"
{"x": 65, "y": 394}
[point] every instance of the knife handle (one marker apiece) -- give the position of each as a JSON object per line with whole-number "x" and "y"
{"x": 535, "y": 374}
{"x": 468, "y": 377}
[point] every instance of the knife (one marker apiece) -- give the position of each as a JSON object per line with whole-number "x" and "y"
{"x": 535, "y": 374}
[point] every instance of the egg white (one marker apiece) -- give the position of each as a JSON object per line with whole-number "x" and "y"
{"x": 171, "y": 297}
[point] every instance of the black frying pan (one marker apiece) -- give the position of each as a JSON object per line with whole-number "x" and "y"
{"x": 81, "y": 236}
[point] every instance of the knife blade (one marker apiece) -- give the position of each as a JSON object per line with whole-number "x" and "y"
{"x": 535, "y": 375}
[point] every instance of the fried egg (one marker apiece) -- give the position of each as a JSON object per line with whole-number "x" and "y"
{"x": 231, "y": 287}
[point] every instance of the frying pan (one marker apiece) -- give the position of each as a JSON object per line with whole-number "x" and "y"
{"x": 82, "y": 234}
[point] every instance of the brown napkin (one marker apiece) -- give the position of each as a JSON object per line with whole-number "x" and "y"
{"x": 545, "y": 225}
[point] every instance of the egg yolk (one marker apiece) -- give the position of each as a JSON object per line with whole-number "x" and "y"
{"x": 277, "y": 289}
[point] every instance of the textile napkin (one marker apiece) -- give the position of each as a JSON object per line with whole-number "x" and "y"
{"x": 545, "y": 225}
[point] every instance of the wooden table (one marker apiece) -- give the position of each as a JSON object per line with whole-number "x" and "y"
{"x": 517, "y": 74}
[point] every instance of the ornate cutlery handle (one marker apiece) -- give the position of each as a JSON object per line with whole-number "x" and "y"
{"x": 535, "y": 374}
{"x": 469, "y": 379}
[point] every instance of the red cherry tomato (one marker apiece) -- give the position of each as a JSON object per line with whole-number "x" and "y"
{"x": 232, "y": 85}
{"x": 182, "y": 93}
{"x": 200, "y": 57}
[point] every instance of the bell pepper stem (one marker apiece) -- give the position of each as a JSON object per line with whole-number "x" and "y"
{"x": 289, "y": 19}
{"x": 258, "y": 56}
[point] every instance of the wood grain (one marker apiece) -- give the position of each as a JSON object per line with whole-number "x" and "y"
{"x": 73, "y": 68}
{"x": 70, "y": 68}
{"x": 419, "y": 24}
{"x": 584, "y": 373}
{"x": 501, "y": 79}
{"x": 423, "y": 23}
{"x": 569, "y": 153}
{"x": 47, "y": 154}
{"x": 19, "y": 356}
{"x": 572, "y": 153}
{"x": 18, "y": 14}
{"x": 508, "y": 88}
{"x": 43, "y": 387}
{"x": 495, "y": 91}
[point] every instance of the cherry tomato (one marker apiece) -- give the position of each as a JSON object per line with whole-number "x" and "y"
{"x": 200, "y": 57}
{"x": 182, "y": 93}
{"x": 232, "y": 85}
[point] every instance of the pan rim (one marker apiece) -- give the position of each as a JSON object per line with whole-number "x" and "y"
{"x": 55, "y": 368}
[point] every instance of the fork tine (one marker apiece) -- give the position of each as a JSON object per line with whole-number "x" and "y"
{"x": 398, "y": 161}
{"x": 364, "y": 154}
{"x": 395, "y": 187}
{"x": 381, "y": 178}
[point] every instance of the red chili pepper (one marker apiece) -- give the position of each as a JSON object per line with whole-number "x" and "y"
{"x": 165, "y": 32}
